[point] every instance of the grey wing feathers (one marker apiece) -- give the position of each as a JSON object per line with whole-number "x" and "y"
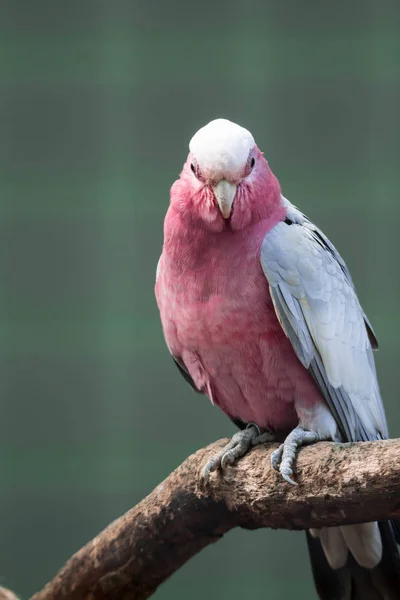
{"x": 296, "y": 216}
{"x": 185, "y": 373}
{"x": 317, "y": 306}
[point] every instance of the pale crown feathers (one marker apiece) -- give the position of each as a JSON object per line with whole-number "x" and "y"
{"x": 221, "y": 146}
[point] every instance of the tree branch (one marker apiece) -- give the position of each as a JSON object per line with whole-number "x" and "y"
{"x": 338, "y": 484}
{"x": 6, "y": 594}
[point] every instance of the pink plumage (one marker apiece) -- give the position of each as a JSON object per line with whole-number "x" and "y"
{"x": 214, "y": 301}
{"x": 260, "y": 313}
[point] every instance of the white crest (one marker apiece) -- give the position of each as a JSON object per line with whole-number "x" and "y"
{"x": 221, "y": 146}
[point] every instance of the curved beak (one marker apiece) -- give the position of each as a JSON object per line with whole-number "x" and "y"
{"x": 225, "y": 193}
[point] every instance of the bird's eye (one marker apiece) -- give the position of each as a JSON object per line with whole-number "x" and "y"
{"x": 252, "y": 162}
{"x": 194, "y": 167}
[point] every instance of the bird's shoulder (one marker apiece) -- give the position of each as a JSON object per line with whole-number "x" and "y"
{"x": 298, "y": 253}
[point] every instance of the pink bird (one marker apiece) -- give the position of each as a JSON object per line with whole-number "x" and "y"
{"x": 260, "y": 314}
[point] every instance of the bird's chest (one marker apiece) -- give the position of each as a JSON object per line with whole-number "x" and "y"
{"x": 217, "y": 307}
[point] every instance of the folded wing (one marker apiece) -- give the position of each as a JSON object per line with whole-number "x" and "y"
{"x": 317, "y": 306}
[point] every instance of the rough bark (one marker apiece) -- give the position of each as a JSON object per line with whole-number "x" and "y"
{"x": 338, "y": 484}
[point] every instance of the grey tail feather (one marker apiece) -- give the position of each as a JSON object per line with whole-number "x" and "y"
{"x": 353, "y": 582}
{"x": 396, "y": 529}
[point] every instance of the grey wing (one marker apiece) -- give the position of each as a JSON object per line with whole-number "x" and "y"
{"x": 185, "y": 373}
{"x": 317, "y": 306}
{"x": 296, "y": 216}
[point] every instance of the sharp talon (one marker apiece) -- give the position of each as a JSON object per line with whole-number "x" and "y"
{"x": 239, "y": 445}
{"x": 226, "y": 460}
{"x": 288, "y": 479}
{"x": 275, "y": 464}
{"x": 276, "y": 457}
{"x": 287, "y": 452}
{"x": 204, "y": 476}
{"x": 211, "y": 466}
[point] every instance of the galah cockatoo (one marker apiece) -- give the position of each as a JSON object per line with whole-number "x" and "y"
{"x": 260, "y": 313}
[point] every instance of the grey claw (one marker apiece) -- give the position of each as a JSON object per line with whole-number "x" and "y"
{"x": 211, "y": 466}
{"x": 227, "y": 459}
{"x": 283, "y": 459}
{"x": 205, "y": 475}
{"x": 289, "y": 479}
{"x": 276, "y": 458}
{"x": 239, "y": 445}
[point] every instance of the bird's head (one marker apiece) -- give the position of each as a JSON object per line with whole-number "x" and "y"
{"x": 226, "y": 181}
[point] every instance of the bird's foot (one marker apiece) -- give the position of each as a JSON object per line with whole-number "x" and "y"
{"x": 239, "y": 445}
{"x": 283, "y": 458}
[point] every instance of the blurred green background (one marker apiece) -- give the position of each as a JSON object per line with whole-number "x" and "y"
{"x": 98, "y": 101}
